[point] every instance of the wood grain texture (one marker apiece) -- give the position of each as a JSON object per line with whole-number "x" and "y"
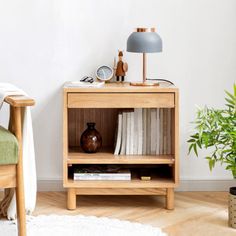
{"x": 176, "y": 138}
{"x": 12, "y": 175}
{"x": 196, "y": 213}
{"x": 20, "y": 197}
{"x": 19, "y": 101}
{"x": 65, "y": 138}
{"x": 107, "y": 157}
{"x": 122, "y": 191}
{"x": 7, "y": 176}
{"x": 105, "y": 119}
{"x": 118, "y": 100}
{"x": 170, "y": 198}
{"x": 134, "y": 183}
{"x": 81, "y": 106}
{"x": 123, "y": 88}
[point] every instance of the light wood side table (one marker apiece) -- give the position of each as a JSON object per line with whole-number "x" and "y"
{"x": 101, "y": 105}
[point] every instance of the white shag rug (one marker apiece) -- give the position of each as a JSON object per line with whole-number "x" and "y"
{"x": 79, "y": 226}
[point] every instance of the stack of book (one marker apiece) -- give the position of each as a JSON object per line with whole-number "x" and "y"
{"x": 101, "y": 172}
{"x": 143, "y": 131}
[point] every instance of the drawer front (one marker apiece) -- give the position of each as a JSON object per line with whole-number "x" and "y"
{"x": 120, "y": 100}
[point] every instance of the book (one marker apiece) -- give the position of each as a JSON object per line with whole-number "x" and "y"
{"x": 128, "y": 132}
{"x": 161, "y": 131}
{"x": 132, "y": 133}
{"x": 140, "y": 130}
{"x": 144, "y": 131}
{"x": 124, "y": 133}
{"x": 98, "y": 172}
{"x": 79, "y": 84}
{"x": 99, "y": 177}
{"x": 148, "y": 140}
{"x": 153, "y": 131}
{"x": 119, "y": 135}
{"x": 158, "y": 131}
{"x": 135, "y": 139}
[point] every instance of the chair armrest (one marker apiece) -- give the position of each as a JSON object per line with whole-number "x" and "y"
{"x": 19, "y": 101}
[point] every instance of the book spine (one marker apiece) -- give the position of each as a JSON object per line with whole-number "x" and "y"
{"x": 161, "y": 131}
{"x": 102, "y": 175}
{"x": 153, "y": 131}
{"x": 102, "y": 178}
{"x": 140, "y": 131}
{"x": 119, "y": 134}
{"x": 135, "y": 132}
{"x": 128, "y": 131}
{"x": 158, "y": 132}
{"x": 144, "y": 131}
{"x": 123, "y": 139}
{"x": 132, "y": 133}
{"x": 148, "y": 131}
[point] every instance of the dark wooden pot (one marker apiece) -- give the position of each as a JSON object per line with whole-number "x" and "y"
{"x": 91, "y": 140}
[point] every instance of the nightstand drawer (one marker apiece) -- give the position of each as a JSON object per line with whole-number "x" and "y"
{"x": 120, "y": 100}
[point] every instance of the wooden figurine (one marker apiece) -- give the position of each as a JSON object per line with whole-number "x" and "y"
{"x": 121, "y": 68}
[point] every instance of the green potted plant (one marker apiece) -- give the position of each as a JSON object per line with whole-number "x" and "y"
{"x": 216, "y": 129}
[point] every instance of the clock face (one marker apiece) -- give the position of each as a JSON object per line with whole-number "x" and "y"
{"x": 104, "y": 73}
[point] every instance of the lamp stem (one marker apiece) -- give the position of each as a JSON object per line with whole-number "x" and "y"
{"x": 144, "y": 67}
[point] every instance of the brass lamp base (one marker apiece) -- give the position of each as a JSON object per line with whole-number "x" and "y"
{"x": 144, "y": 84}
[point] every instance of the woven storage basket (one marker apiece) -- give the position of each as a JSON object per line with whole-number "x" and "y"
{"x": 232, "y": 207}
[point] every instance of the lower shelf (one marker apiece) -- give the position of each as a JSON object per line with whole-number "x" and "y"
{"x": 121, "y": 191}
{"x": 134, "y": 183}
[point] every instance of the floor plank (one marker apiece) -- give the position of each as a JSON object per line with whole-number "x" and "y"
{"x": 196, "y": 213}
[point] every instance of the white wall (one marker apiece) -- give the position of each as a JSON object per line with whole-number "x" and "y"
{"x": 45, "y": 43}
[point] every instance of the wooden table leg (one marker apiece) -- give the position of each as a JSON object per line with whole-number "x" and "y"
{"x": 170, "y": 198}
{"x": 71, "y": 199}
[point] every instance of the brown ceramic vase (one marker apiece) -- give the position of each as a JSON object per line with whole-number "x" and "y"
{"x": 91, "y": 140}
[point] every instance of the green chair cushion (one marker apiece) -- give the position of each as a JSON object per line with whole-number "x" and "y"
{"x": 8, "y": 147}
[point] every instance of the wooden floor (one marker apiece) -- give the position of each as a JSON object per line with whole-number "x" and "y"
{"x": 196, "y": 213}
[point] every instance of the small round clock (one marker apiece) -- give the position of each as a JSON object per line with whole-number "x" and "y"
{"x": 104, "y": 73}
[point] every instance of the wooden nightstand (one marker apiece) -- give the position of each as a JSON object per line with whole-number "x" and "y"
{"x": 101, "y": 106}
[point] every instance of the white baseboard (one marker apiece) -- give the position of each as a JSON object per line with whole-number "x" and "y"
{"x": 185, "y": 185}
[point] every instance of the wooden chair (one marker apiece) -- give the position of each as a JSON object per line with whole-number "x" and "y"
{"x": 11, "y": 171}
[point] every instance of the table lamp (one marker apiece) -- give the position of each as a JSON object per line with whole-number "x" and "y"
{"x": 144, "y": 41}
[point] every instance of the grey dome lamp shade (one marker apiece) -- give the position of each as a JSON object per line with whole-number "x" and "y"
{"x": 144, "y": 41}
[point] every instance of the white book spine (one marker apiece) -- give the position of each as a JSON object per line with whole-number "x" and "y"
{"x": 102, "y": 178}
{"x": 135, "y": 132}
{"x": 140, "y": 131}
{"x": 119, "y": 135}
{"x": 128, "y": 131}
{"x": 132, "y": 133}
{"x": 123, "y": 139}
{"x": 153, "y": 131}
{"x": 148, "y": 131}
{"x": 144, "y": 131}
{"x": 128, "y": 174}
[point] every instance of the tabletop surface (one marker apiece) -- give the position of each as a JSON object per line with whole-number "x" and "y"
{"x": 121, "y": 88}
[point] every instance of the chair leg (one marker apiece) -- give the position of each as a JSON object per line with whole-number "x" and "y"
{"x": 20, "y": 198}
{"x": 20, "y": 203}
